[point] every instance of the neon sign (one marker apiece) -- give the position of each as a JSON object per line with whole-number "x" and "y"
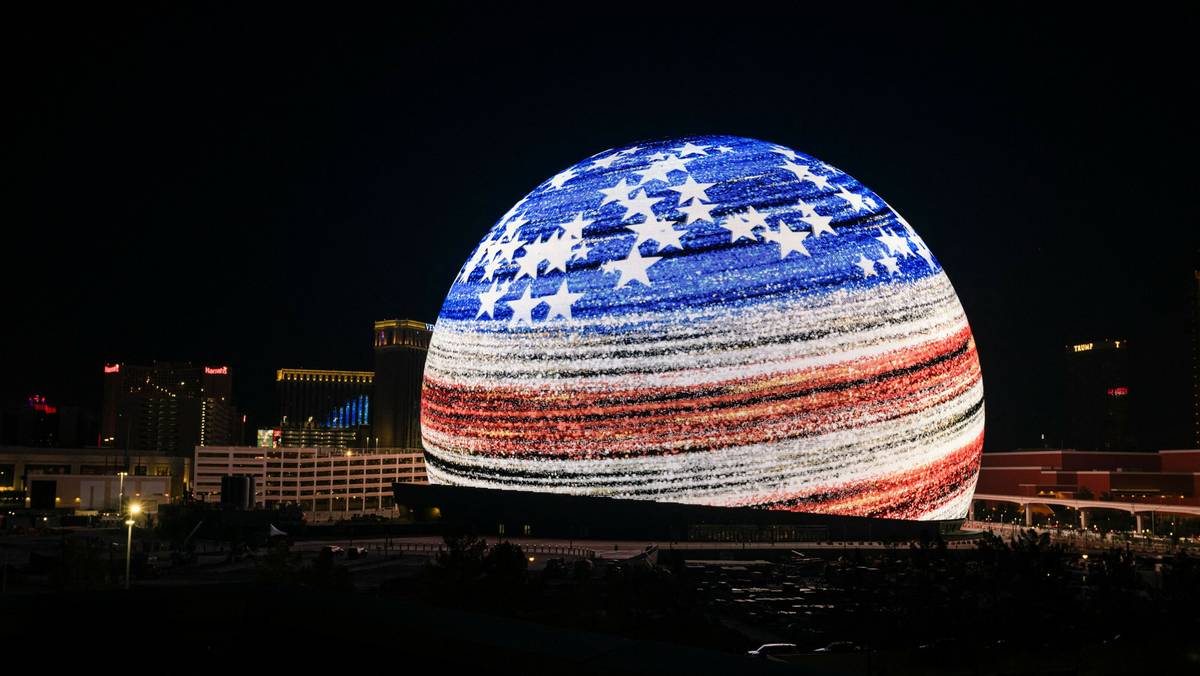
{"x": 113, "y": 368}
{"x": 216, "y": 370}
{"x": 38, "y": 403}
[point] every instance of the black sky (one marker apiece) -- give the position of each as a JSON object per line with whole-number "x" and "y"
{"x": 255, "y": 187}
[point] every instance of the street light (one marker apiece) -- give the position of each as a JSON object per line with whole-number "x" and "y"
{"x": 121, "y": 499}
{"x": 134, "y": 510}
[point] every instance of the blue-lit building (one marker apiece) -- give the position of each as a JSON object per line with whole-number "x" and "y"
{"x": 324, "y": 409}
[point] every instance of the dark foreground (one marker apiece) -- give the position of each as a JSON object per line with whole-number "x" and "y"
{"x": 1020, "y": 606}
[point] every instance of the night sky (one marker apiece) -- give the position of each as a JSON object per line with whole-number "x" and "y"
{"x": 254, "y": 189}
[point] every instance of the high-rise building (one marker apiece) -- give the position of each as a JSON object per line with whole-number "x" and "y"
{"x": 168, "y": 407}
{"x": 1097, "y": 396}
{"x": 1196, "y": 352}
{"x": 400, "y": 349}
{"x": 324, "y": 409}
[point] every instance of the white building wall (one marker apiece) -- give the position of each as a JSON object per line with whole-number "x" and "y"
{"x": 324, "y": 480}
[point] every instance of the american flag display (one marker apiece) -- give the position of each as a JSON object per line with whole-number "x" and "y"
{"x": 711, "y": 320}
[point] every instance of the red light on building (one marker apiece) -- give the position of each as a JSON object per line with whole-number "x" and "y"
{"x": 216, "y": 370}
{"x": 38, "y": 403}
{"x": 1118, "y": 391}
{"x": 112, "y": 368}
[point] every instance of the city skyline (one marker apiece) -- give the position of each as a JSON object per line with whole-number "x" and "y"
{"x": 1044, "y": 168}
{"x": 581, "y": 338}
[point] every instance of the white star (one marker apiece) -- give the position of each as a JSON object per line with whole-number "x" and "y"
{"x": 493, "y": 247}
{"x": 512, "y": 210}
{"x": 786, "y": 152}
{"x": 643, "y": 205}
{"x": 666, "y": 235}
{"x": 487, "y": 300}
{"x": 822, "y": 182}
{"x": 890, "y": 263}
{"x": 656, "y": 157}
{"x": 574, "y": 228}
{"x": 788, "y": 240}
{"x": 853, "y": 199}
{"x": 491, "y": 267}
{"x": 581, "y": 251}
{"x": 738, "y": 228}
{"x": 800, "y": 170}
{"x": 690, "y": 189}
{"x": 473, "y": 263}
{"x": 531, "y": 260}
{"x": 560, "y": 179}
{"x": 660, "y": 169}
{"x": 888, "y": 239}
{"x": 631, "y": 268}
{"x": 922, "y": 249}
{"x": 697, "y": 212}
{"x": 867, "y": 265}
{"x": 754, "y": 218}
{"x": 660, "y": 231}
{"x": 819, "y": 223}
{"x": 510, "y": 227}
{"x": 895, "y": 243}
{"x": 630, "y": 151}
{"x": 557, "y": 252}
{"x": 617, "y": 193}
{"x": 522, "y": 308}
{"x": 605, "y": 162}
{"x": 690, "y": 148}
{"x": 509, "y": 247}
{"x": 560, "y": 303}
{"x": 805, "y": 207}
{"x": 724, "y": 149}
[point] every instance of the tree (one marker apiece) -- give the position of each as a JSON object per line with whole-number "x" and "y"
{"x": 506, "y": 562}
{"x": 462, "y": 558}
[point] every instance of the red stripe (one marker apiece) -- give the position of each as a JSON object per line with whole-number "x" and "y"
{"x": 578, "y": 423}
{"x": 910, "y": 494}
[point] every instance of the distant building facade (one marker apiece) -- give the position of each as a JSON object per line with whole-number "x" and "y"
{"x": 168, "y": 407}
{"x": 318, "y": 480}
{"x": 326, "y": 409}
{"x": 401, "y": 346}
{"x": 89, "y": 479}
{"x": 1097, "y": 396}
{"x": 1162, "y": 478}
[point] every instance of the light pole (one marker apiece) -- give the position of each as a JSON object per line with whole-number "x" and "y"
{"x": 121, "y": 499}
{"x": 134, "y": 510}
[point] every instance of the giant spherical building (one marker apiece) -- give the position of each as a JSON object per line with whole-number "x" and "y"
{"x": 712, "y": 320}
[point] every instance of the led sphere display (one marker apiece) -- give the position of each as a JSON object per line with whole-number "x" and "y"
{"x": 710, "y": 320}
